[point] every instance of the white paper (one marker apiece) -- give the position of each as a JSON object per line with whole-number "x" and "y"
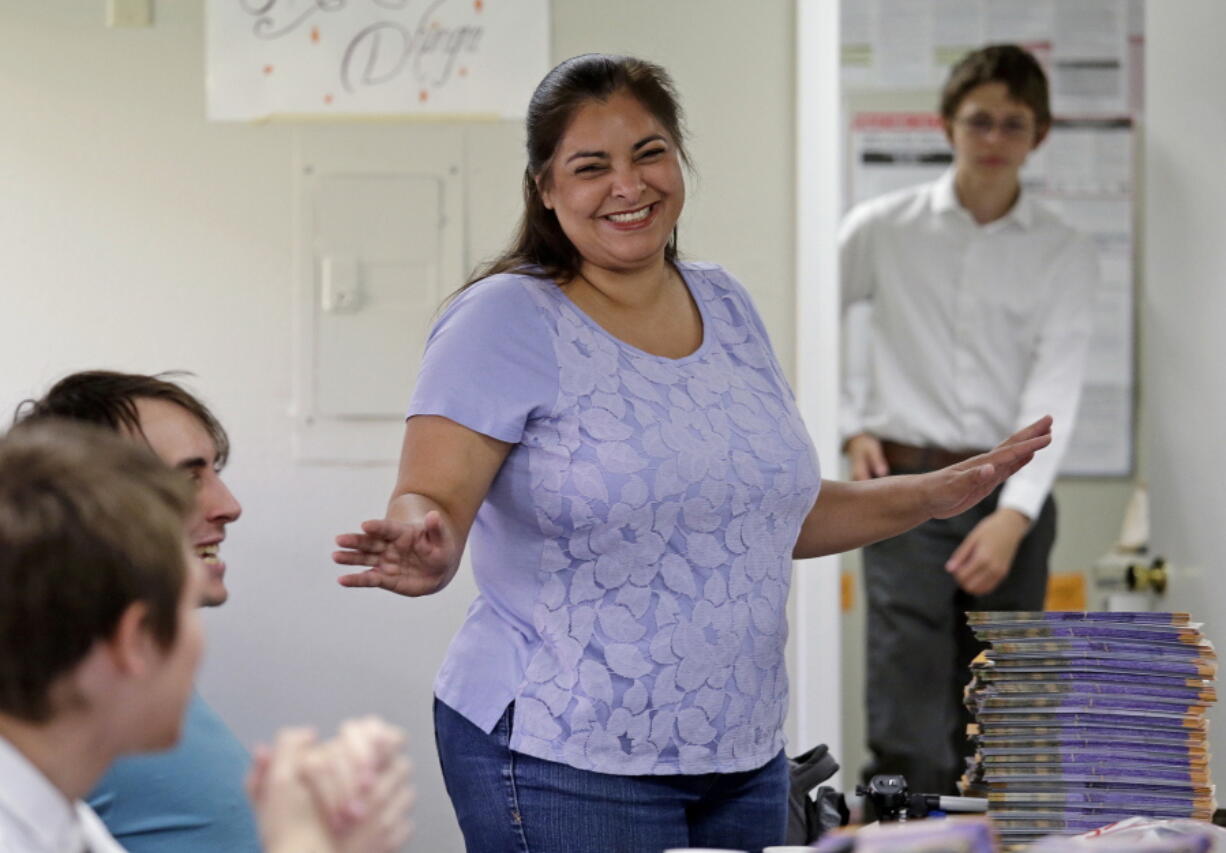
{"x": 1093, "y": 156}
{"x": 958, "y": 27}
{"x": 1089, "y": 74}
{"x": 1026, "y": 22}
{"x": 1110, "y": 359}
{"x": 1101, "y": 444}
{"x": 890, "y": 151}
{"x": 858, "y": 25}
{"x": 1110, "y": 362}
{"x": 1089, "y": 48}
{"x": 374, "y": 57}
{"x": 904, "y": 51}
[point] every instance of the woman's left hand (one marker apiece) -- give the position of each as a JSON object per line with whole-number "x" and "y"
{"x": 852, "y": 515}
{"x": 953, "y": 490}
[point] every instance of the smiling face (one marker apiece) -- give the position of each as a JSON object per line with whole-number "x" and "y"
{"x": 615, "y": 184}
{"x": 992, "y": 133}
{"x": 182, "y": 442}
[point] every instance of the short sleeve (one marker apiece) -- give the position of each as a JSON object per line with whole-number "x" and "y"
{"x": 489, "y": 362}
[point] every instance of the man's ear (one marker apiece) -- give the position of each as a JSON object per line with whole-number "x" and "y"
{"x": 1040, "y": 133}
{"x": 131, "y": 646}
{"x": 948, "y": 127}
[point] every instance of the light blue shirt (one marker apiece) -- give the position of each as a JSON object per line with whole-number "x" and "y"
{"x": 633, "y": 554}
{"x": 190, "y": 799}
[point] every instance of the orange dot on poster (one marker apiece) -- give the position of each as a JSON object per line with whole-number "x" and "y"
{"x": 463, "y": 71}
{"x": 327, "y": 99}
{"x": 478, "y": 5}
{"x": 434, "y": 25}
{"x": 315, "y": 35}
{"x": 423, "y": 96}
{"x": 267, "y": 69}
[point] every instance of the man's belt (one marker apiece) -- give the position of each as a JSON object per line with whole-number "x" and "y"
{"x": 908, "y": 457}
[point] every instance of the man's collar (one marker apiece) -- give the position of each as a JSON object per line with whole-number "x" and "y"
{"x": 1022, "y": 211}
{"x": 945, "y": 200}
{"x": 28, "y": 799}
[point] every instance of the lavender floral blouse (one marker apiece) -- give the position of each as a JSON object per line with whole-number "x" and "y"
{"x": 633, "y": 555}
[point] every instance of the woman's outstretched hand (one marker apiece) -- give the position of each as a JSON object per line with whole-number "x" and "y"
{"x": 852, "y": 515}
{"x": 959, "y": 487}
{"x": 407, "y": 557}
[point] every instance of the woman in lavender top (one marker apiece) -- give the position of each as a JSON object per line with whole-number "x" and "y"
{"x": 608, "y": 428}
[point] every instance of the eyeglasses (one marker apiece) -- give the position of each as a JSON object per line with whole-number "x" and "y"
{"x": 1010, "y": 128}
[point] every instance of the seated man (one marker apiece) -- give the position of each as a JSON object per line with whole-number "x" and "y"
{"x": 100, "y": 639}
{"x": 192, "y": 799}
{"x": 99, "y": 635}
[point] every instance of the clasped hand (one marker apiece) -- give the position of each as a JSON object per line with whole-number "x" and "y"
{"x": 350, "y": 794}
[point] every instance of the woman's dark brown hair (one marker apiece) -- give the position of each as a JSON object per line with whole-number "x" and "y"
{"x": 540, "y": 247}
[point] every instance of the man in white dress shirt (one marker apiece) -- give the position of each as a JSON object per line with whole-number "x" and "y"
{"x": 980, "y": 322}
{"x": 99, "y": 630}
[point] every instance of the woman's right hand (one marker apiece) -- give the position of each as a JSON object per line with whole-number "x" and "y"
{"x": 409, "y": 557}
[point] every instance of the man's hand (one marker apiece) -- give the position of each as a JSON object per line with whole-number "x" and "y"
{"x": 362, "y": 784}
{"x": 282, "y": 802}
{"x": 351, "y": 794}
{"x": 983, "y": 559}
{"x": 866, "y": 457}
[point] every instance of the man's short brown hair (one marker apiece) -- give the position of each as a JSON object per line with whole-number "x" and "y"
{"x": 90, "y": 523}
{"x": 999, "y": 63}
{"x": 108, "y": 398}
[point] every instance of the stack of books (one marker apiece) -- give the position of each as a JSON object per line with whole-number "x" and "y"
{"x": 1083, "y": 719}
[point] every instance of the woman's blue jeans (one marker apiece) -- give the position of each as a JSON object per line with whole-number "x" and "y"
{"x": 508, "y": 801}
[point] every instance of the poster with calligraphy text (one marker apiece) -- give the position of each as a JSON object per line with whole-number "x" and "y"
{"x": 364, "y": 58}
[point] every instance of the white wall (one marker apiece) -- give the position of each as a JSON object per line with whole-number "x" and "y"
{"x": 1184, "y": 304}
{"x": 139, "y": 237}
